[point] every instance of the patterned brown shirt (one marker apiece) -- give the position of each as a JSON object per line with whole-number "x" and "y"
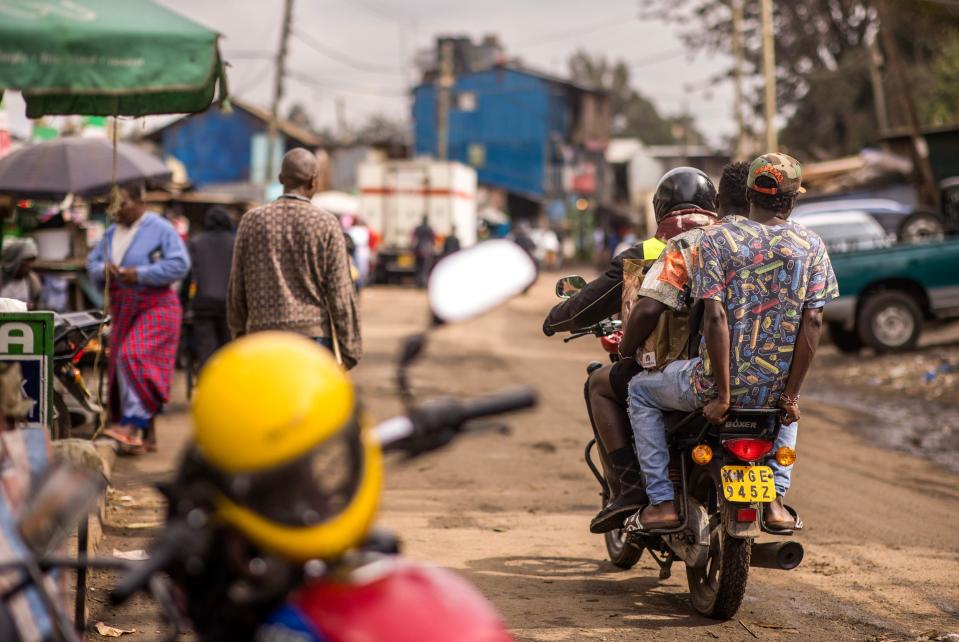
{"x": 291, "y": 272}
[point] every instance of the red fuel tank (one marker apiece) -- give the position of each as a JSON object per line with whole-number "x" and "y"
{"x": 395, "y": 600}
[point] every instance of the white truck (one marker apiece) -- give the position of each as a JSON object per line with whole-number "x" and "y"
{"x": 395, "y": 196}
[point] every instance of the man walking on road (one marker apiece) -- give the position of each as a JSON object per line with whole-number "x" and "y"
{"x": 291, "y": 270}
{"x": 211, "y": 252}
{"x": 424, "y": 242}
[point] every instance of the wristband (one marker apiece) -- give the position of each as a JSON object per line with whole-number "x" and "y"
{"x": 790, "y": 401}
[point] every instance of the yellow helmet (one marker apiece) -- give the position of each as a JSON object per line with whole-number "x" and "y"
{"x": 277, "y": 421}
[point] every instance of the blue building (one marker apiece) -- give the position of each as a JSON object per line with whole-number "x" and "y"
{"x": 534, "y": 136}
{"x": 218, "y": 147}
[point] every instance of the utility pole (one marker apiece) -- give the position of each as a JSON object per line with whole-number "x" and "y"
{"x": 769, "y": 71}
{"x": 738, "y": 78}
{"x": 445, "y": 82}
{"x": 875, "y": 78}
{"x": 278, "y": 74}
{"x": 928, "y": 191}
{"x": 341, "y": 127}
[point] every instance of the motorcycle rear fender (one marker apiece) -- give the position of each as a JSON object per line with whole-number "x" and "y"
{"x": 741, "y": 530}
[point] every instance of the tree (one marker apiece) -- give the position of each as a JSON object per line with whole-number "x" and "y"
{"x": 822, "y": 62}
{"x": 634, "y": 115}
{"x": 300, "y": 117}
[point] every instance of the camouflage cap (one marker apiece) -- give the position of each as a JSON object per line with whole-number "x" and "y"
{"x": 785, "y": 171}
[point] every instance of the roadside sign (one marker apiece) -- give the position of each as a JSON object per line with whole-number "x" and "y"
{"x": 26, "y": 338}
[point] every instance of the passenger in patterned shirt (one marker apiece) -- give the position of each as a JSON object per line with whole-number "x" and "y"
{"x": 291, "y": 270}
{"x": 764, "y": 282}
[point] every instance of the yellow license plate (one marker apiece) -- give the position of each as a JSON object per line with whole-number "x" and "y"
{"x": 405, "y": 260}
{"x": 748, "y": 484}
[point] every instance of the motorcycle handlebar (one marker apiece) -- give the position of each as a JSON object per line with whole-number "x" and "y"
{"x": 499, "y": 403}
{"x": 436, "y": 423}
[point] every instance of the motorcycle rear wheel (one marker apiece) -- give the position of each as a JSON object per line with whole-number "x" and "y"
{"x": 717, "y": 589}
{"x": 621, "y": 553}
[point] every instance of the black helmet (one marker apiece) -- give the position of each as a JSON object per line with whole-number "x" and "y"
{"x": 683, "y": 188}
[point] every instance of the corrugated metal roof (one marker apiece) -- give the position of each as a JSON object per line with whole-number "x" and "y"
{"x": 529, "y": 71}
{"x": 287, "y": 128}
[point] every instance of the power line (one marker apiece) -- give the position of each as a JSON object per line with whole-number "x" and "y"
{"x": 661, "y": 57}
{"x": 581, "y": 31}
{"x": 362, "y": 91}
{"x": 248, "y": 54}
{"x": 343, "y": 58}
{"x": 381, "y": 10}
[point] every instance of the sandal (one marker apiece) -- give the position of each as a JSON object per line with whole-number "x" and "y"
{"x": 122, "y": 438}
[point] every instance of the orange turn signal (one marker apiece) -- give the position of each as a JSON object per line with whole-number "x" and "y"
{"x": 702, "y": 454}
{"x": 785, "y": 456}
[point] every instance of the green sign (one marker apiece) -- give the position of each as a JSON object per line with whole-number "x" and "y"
{"x": 26, "y": 338}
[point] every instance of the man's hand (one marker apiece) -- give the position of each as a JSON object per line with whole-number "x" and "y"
{"x": 113, "y": 271}
{"x": 790, "y": 410}
{"x": 716, "y": 411}
{"x": 128, "y": 275}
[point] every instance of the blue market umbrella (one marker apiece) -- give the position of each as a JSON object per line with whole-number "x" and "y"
{"x": 81, "y": 166}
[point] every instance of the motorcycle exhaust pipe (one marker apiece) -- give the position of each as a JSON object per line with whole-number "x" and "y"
{"x": 783, "y": 556}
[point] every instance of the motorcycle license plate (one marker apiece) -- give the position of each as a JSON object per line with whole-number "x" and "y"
{"x": 748, "y": 484}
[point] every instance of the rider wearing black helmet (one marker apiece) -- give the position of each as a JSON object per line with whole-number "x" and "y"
{"x": 685, "y": 199}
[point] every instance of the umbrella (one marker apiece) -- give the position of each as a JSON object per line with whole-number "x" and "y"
{"x": 82, "y": 166}
{"x": 107, "y": 58}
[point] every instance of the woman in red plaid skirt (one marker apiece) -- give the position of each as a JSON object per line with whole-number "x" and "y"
{"x": 141, "y": 256}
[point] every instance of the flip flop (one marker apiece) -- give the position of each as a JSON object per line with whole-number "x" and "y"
{"x": 132, "y": 451}
{"x": 122, "y": 438}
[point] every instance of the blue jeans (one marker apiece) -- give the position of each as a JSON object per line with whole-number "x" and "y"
{"x": 783, "y": 474}
{"x": 650, "y": 395}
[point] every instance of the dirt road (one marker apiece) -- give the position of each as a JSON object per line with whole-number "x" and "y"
{"x": 511, "y": 513}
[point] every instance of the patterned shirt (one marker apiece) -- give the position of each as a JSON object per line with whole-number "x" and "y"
{"x": 765, "y": 275}
{"x": 667, "y": 280}
{"x": 291, "y": 272}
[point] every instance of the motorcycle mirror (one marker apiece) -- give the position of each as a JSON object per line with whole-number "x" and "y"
{"x": 476, "y": 280}
{"x": 412, "y": 348}
{"x": 567, "y": 286}
{"x": 64, "y": 497}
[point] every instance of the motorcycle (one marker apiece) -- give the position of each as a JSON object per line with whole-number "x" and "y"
{"x": 722, "y": 482}
{"x": 230, "y": 590}
{"x": 73, "y": 337}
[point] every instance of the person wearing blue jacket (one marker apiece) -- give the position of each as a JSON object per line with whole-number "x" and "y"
{"x": 139, "y": 259}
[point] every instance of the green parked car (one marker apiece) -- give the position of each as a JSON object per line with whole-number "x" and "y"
{"x": 887, "y": 293}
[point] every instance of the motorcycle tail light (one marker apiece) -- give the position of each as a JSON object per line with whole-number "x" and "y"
{"x": 746, "y": 515}
{"x": 748, "y": 449}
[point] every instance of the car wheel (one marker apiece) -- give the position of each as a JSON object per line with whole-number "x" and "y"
{"x": 846, "y": 341}
{"x": 890, "y": 321}
{"x": 921, "y": 227}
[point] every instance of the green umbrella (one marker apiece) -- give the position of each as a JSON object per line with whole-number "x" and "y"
{"x": 107, "y": 58}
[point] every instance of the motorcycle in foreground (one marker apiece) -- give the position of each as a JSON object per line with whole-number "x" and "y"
{"x": 233, "y": 590}
{"x": 721, "y": 484}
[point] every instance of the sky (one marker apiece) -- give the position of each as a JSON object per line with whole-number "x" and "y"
{"x": 369, "y": 47}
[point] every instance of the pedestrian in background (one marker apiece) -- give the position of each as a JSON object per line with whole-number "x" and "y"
{"x": 211, "y": 252}
{"x": 424, "y": 245}
{"x": 451, "y": 243}
{"x": 141, "y": 256}
{"x": 291, "y": 270}
{"x": 20, "y": 282}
